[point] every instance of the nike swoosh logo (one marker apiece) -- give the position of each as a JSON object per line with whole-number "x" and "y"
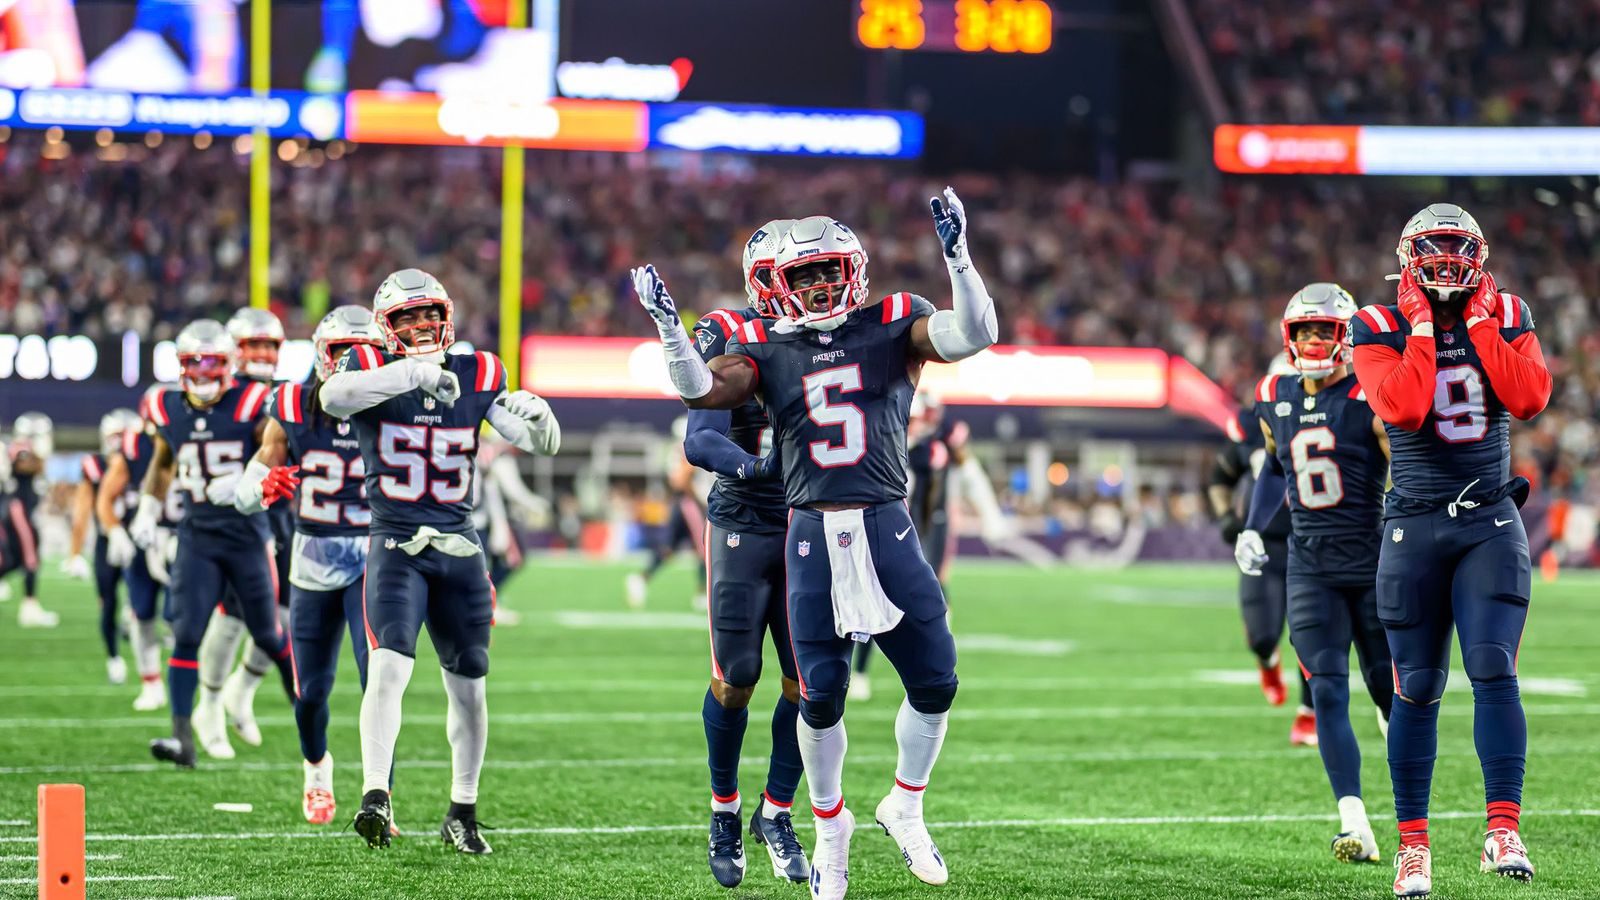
{"x": 901, "y": 535}
{"x": 1500, "y": 524}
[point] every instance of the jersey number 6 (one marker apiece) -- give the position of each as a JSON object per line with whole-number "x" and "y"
{"x": 1310, "y": 470}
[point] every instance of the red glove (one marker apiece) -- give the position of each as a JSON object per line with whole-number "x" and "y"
{"x": 1485, "y": 301}
{"x": 280, "y": 482}
{"x": 1413, "y": 301}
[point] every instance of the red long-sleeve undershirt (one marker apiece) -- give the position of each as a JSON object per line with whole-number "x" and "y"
{"x": 1521, "y": 379}
{"x": 1400, "y": 387}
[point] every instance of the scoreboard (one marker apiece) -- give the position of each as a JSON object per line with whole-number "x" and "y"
{"x": 960, "y": 26}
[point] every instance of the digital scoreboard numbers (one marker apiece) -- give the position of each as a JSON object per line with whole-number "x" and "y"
{"x": 956, "y": 26}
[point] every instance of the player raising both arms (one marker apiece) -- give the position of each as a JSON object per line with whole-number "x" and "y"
{"x": 746, "y": 589}
{"x": 416, "y": 412}
{"x": 1319, "y": 429}
{"x": 1446, "y": 367}
{"x": 204, "y": 433}
{"x": 313, "y": 463}
{"x": 836, "y": 376}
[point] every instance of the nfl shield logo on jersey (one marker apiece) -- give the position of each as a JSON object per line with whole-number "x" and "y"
{"x": 733, "y": 540}
{"x": 200, "y": 424}
{"x": 1399, "y": 535}
{"x": 429, "y": 403}
{"x": 804, "y": 548}
{"x": 344, "y": 428}
{"x": 824, "y": 338}
{"x": 844, "y": 540}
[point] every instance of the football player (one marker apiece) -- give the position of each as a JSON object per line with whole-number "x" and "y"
{"x": 836, "y": 375}
{"x": 114, "y": 506}
{"x": 204, "y": 433}
{"x": 107, "y": 578}
{"x": 313, "y": 463}
{"x": 258, "y": 335}
{"x": 32, "y": 442}
{"x": 1446, "y": 367}
{"x": 1320, "y": 430}
{"x": 416, "y": 411}
{"x": 494, "y": 496}
{"x": 745, "y": 558}
{"x": 685, "y": 527}
{"x": 1263, "y": 598}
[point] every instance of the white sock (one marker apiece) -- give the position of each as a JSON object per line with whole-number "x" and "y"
{"x": 919, "y": 736}
{"x": 219, "y": 648}
{"x": 822, "y": 752}
{"x": 146, "y": 649}
{"x": 732, "y": 806}
{"x": 770, "y": 810}
{"x": 467, "y": 725}
{"x": 388, "y": 673}
{"x": 1353, "y": 815}
{"x": 320, "y": 774}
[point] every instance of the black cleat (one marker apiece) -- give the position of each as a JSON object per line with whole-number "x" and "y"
{"x": 461, "y": 832}
{"x": 375, "y": 820}
{"x": 172, "y": 750}
{"x": 727, "y": 849}
{"x": 783, "y": 845}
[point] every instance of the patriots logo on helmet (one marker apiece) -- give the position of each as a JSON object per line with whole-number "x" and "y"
{"x": 804, "y": 548}
{"x": 758, "y": 237}
{"x": 844, "y": 539}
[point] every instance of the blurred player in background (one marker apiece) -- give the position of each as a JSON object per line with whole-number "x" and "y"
{"x": 312, "y": 463}
{"x": 417, "y": 411}
{"x": 496, "y": 494}
{"x": 1263, "y": 598}
{"x": 837, "y": 374}
{"x": 32, "y": 442}
{"x": 1319, "y": 428}
{"x": 107, "y": 577}
{"x": 685, "y": 527}
{"x": 1446, "y": 367}
{"x": 204, "y": 433}
{"x": 746, "y": 593}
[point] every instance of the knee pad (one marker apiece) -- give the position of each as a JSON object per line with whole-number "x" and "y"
{"x": 822, "y": 710}
{"x": 931, "y": 700}
{"x": 742, "y": 673}
{"x": 1328, "y": 664}
{"x": 471, "y": 662}
{"x": 1488, "y": 662}
{"x": 1421, "y": 686}
{"x": 1329, "y": 692}
{"x": 397, "y": 637}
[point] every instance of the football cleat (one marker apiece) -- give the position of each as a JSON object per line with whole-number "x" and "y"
{"x": 916, "y": 845}
{"x": 1503, "y": 854}
{"x": 374, "y": 820}
{"x": 726, "y": 849}
{"x": 830, "y": 861}
{"x": 461, "y": 832}
{"x": 783, "y": 845}
{"x": 1413, "y": 872}
{"x": 172, "y": 750}
{"x": 317, "y": 803}
{"x": 637, "y": 590}
{"x": 116, "y": 670}
{"x": 1303, "y": 733}
{"x": 31, "y": 615}
{"x": 240, "y": 708}
{"x": 1356, "y": 846}
{"x": 152, "y": 696}
{"x": 1272, "y": 684}
{"x": 209, "y": 731}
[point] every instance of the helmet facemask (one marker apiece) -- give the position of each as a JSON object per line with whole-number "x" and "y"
{"x": 1317, "y": 346}
{"x": 759, "y": 288}
{"x": 421, "y": 329}
{"x": 820, "y": 290}
{"x": 1447, "y": 263}
{"x": 205, "y": 377}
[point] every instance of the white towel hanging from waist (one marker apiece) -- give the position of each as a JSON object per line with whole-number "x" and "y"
{"x": 860, "y": 607}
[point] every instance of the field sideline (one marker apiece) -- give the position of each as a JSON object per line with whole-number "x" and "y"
{"x": 1107, "y": 742}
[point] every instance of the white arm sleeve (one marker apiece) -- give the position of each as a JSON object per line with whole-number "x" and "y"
{"x": 542, "y": 437}
{"x": 969, "y": 326}
{"x": 348, "y": 393}
{"x": 247, "y": 494}
{"x": 690, "y": 375}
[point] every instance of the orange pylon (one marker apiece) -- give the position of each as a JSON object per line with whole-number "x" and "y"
{"x": 61, "y": 875}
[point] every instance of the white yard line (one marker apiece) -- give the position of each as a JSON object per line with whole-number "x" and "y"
{"x": 91, "y": 878}
{"x": 33, "y": 858}
{"x": 15, "y": 823}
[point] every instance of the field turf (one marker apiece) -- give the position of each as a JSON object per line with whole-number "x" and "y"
{"x": 1108, "y": 742}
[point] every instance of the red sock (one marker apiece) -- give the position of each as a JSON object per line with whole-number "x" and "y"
{"x": 828, "y": 813}
{"x": 1414, "y": 833}
{"x": 1504, "y": 814}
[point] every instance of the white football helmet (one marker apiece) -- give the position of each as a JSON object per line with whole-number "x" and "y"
{"x": 410, "y": 289}
{"x": 1443, "y": 248}
{"x": 342, "y": 328}
{"x": 112, "y": 427}
{"x": 1322, "y": 301}
{"x": 205, "y": 361}
{"x": 257, "y": 334}
{"x": 820, "y": 263}
{"x": 33, "y": 432}
{"x": 759, "y": 253}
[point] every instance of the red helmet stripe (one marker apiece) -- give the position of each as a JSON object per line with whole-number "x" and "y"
{"x": 91, "y": 468}
{"x": 130, "y": 444}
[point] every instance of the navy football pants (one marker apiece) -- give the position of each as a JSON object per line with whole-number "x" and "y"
{"x": 1470, "y": 572}
{"x": 206, "y": 563}
{"x": 451, "y": 593}
{"x": 317, "y": 622}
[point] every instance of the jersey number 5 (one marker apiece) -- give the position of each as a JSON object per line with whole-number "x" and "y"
{"x": 847, "y": 416}
{"x": 1317, "y": 479}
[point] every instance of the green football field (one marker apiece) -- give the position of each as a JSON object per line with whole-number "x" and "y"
{"x": 1108, "y": 741}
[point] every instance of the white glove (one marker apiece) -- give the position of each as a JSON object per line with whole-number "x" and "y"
{"x": 146, "y": 521}
{"x": 656, "y": 301}
{"x": 220, "y": 490}
{"x": 529, "y": 407}
{"x": 157, "y": 557}
{"x": 76, "y": 567}
{"x": 119, "y": 547}
{"x": 1249, "y": 552}
{"x": 438, "y": 382}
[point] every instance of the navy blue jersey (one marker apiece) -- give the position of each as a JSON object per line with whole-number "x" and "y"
{"x": 332, "y": 498}
{"x": 137, "y": 449}
{"x": 1466, "y": 437}
{"x": 1246, "y": 455}
{"x": 1326, "y": 445}
{"x": 209, "y": 443}
{"x": 94, "y": 468}
{"x": 734, "y": 503}
{"x": 421, "y": 455}
{"x": 929, "y": 460}
{"x": 839, "y": 400}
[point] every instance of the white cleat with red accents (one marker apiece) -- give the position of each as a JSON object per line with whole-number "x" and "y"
{"x": 1503, "y": 854}
{"x": 904, "y": 823}
{"x": 830, "y": 860}
{"x": 317, "y": 802}
{"x": 1413, "y": 872}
